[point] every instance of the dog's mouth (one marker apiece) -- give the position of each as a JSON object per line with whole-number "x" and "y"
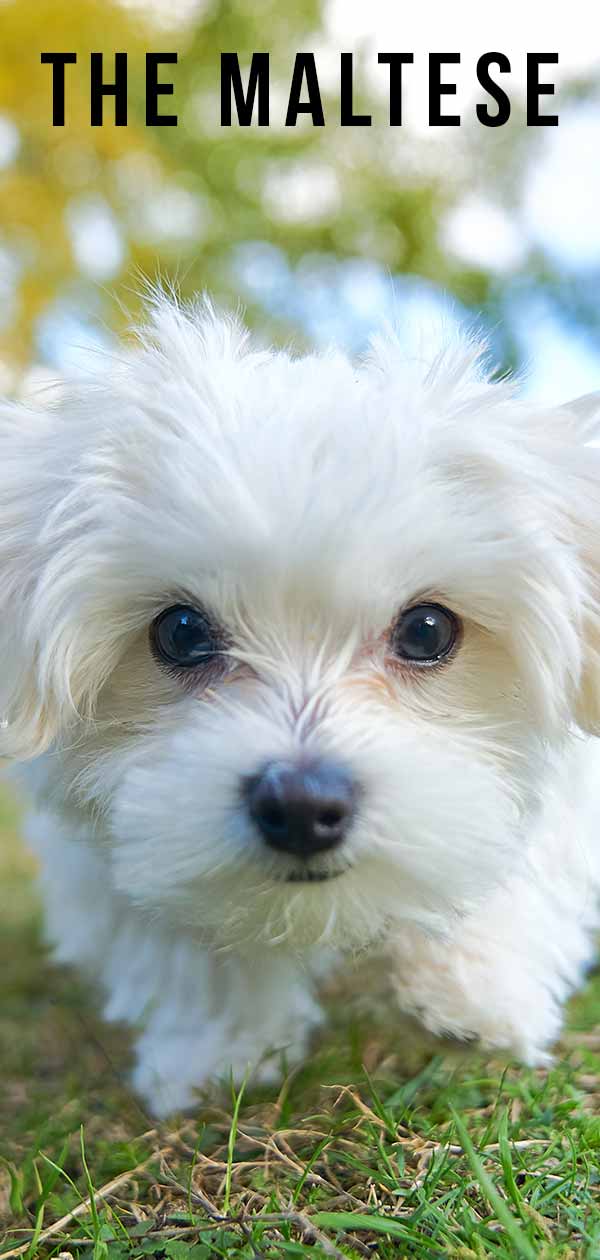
{"x": 310, "y": 875}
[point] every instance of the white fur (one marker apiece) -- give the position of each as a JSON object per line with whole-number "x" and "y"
{"x": 305, "y": 502}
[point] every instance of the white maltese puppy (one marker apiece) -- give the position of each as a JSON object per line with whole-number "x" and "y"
{"x": 304, "y": 657}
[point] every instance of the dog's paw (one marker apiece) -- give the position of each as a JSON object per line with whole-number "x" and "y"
{"x": 161, "y": 1092}
{"x": 471, "y": 995}
{"x": 172, "y": 1068}
{"x": 250, "y": 1060}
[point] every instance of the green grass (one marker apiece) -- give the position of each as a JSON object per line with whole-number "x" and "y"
{"x": 372, "y": 1149}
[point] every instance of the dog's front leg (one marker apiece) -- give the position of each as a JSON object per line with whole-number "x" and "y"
{"x": 503, "y": 978}
{"x": 201, "y": 1013}
{"x": 222, "y": 1014}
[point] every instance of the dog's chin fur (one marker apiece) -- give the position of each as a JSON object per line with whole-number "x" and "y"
{"x": 304, "y": 503}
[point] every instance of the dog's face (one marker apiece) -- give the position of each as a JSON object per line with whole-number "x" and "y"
{"x": 300, "y": 637}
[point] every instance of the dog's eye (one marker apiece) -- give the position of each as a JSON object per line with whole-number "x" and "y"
{"x": 424, "y": 634}
{"x": 184, "y": 637}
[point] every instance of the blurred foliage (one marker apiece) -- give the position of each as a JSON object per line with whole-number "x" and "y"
{"x": 186, "y": 199}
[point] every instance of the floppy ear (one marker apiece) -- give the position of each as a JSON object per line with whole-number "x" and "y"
{"x": 583, "y": 414}
{"x": 29, "y": 715}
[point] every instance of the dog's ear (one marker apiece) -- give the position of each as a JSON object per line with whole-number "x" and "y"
{"x": 58, "y": 644}
{"x": 583, "y": 417}
{"x": 29, "y": 714}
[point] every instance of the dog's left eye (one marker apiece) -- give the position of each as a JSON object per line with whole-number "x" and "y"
{"x": 184, "y": 637}
{"x": 424, "y": 634}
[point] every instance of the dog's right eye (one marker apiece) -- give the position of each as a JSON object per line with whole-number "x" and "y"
{"x": 184, "y": 637}
{"x": 425, "y": 634}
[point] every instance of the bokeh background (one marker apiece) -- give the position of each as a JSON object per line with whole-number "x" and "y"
{"x": 320, "y": 233}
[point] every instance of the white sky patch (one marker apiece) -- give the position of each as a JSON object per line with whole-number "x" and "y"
{"x": 10, "y": 141}
{"x": 301, "y": 192}
{"x": 562, "y": 189}
{"x": 96, "y": 240}
{"x": 484, "y": 235}
{"x": 170, "y": 13}
{"x": 171, "y": 214}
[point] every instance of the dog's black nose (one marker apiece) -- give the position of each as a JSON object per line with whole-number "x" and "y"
{"x": 301, "y": 809}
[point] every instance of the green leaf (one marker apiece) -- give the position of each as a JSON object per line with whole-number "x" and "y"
{"x": 356, "y": 1221}
{"x": 177, "y": 1249}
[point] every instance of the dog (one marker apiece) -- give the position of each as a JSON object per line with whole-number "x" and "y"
{"x": 301, "y": 658}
